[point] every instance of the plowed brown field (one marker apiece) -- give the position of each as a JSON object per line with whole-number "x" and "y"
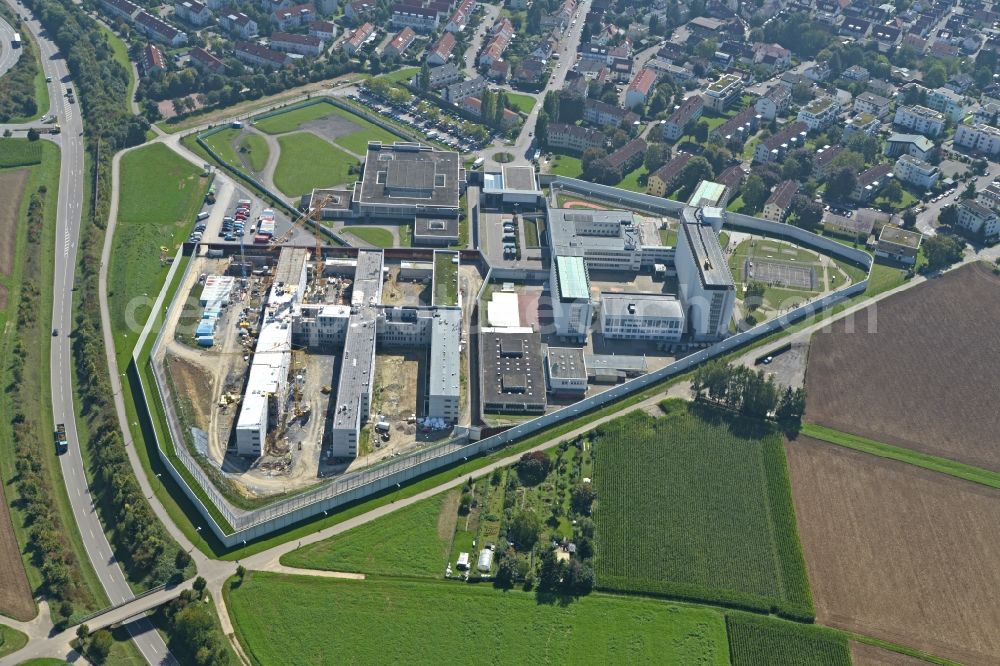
{"x": 15, "y": 593}
{"x": 898, "y": 552}
{"x": 926, "y": 379}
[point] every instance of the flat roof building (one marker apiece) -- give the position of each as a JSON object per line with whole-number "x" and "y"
{"x": 655, "y": 317}
{"x": 706, "y": 285}
{"x": 409, "y": 179}
{"x": 572, "y": 309}
{"x": 435, "y": 230}
{"x": 444, "y": 382}
{"x": 513, "y": 184}
{"x": 566, "y": 370}
{"x": 511, "y": 374}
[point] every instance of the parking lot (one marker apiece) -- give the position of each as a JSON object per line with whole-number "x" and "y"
{"x": 493, "y": 237}
{"x": 227, "y": 197}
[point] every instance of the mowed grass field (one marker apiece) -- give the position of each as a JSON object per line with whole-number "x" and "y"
{"x": 289, "y": 121}
{"x": 413, "y": 541}
{"x": 222, "y": 143}
{"x": 161, "y": 194}
{"x": 521, "y": 102}
{"x": 696, "y": 504}
{"x": 307, "y": 162}
{"x": 372, "y": 235}
{"x": 11, "y": 640}
{"x": 936, "y": 354}
{"x": 303, "y": 620}
{"x": 255, "y": 150}
{"x": 898, "y": 552}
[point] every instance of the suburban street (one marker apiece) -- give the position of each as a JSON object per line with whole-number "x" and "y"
{"x": 8, "y": 54}
{"x": 72, "y": 179}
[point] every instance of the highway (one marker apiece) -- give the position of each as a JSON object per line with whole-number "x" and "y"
{"x": 72, "y": 180}
{"x": 8, "y": 55}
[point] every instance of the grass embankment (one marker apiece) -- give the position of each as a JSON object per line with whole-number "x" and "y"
{"x": 287, "y": 619}
{"x": 375, "y": 236}
{"x": 256, "y": 150}
{"x": 11, "y": 640}
{"x": 307, "y": 162}
{"x": 59, "y": 566}
{"x": 445, "y": 278}
{"x": 883, "y": 450}
{"x": 408, "y": 542}
{"x": 697, "y": 505}
{"x": 161, "y": 194}
{"x": 222, "y": 143}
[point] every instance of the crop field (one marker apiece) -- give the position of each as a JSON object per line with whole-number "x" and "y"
{"x": 757, "y": 641}
{"x": 413, "y": 541}
{"x": 306, "y": 163}
{"x": 160, "y": 195}
{"x": 302, "y": 620}
{"x": 898, "y": 552}
{"x": 936, "y": 354}
{"x": 19, "y": 152}
{"x": 697, "y": 505}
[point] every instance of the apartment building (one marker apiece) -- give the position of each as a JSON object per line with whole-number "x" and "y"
{"x": 778, "y": 204}
{"x": 573, "y": 137}
{"x": 819, "y": 114}
{"x": 920, "y": 119}
{"x": 980, "y": 138}
{"x": 719, "y": 95}
{"x": 916, "y": 172}
{"x": 978, "y": 219}
{"x": 774, "y": 147}
{"x": 690, "y": 110}
{"x": 774, "y": 102}
{"x": 876, "y": 105}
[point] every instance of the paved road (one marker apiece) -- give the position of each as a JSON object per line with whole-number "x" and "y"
{"x": 927, "y": 219}
{"x": 8, "y": 55}
{"x": 72, "y": 180}
{"x": 490, "y": 13}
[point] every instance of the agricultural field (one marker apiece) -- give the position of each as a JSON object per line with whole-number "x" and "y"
{"x": 12, "y": 190}
{"x": 898, "y": 552}
{"x": 160, "y": 195}
{"x": 306, "y": 163}
{"x": 936, "y": 383}
{"x": 870, "y": 655}
{"x": 292, "y": 620}
{"x": 412, "y": 541}
{"x": 758, "y": 641}
{"x": 18, "y": 152}
{"x": 696, "y": 504}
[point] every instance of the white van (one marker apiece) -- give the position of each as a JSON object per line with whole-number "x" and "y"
{"x": 203, "y": 215}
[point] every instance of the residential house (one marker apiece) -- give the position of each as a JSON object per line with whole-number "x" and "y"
{"x": 916, "y": 172}
{"x": 325, "y": 30}
{"x": 306, "y": 45}
{"x": 460, "y": 19}
{"x": 887, "y": 36}
{"x": 359, "y": 11}
{"x": 876, "y": 105}
{"x": 898, "y": 245}
{"x": 856, "y": 73}
{"x": 819, "y": 114}
{"x": 421, "y": 19}
{"x": 912, "y": 144}
{"x": 773, "y": 57}
{"x": 499, "y": 70}
{"x": 503, "y": 33}
{"x": 777, "y": 205}
{"x": 665, "y": 179}
{"x": 720, "y": 94}
{"x": 441, "y": 76}
{"x": 870, "y": 182}
{"x": 122, "y": 9}
{"x": 989, "y": 197}
{"x": 980, "y": 138}
{"x": 193, "y": 12}
{"x": 205, "y": 61}
{"x": 920, "y": 119}
{"x": 823, "y": 160}
{"x": 818, "y": 72}
{"x": 629, "y": 156}
{"x": 441, "y": 52}
{"x": 239, "y": 25}
{"x": 864, "y": 123}
{"x": 640, "y": 88}
{"x": 948, "y": 102}
{"x": 978, "y": 219}
{"x": 529, "y": 71}
{"x": 256, "y": 55}
{"x": 358, "y": 39}
{"x": 987, "y": 114}
{"x": 735, "y": 131}
{"x": 601, "y": 113}
{"x": 474, "y": 106}
{"x": 153, "y": 60}
{"x": 774, "y": 102}
{"x": 774, "y": 147}
{"x": 159, "y": 30}
{"x": 855, "y": 27}
{"x": 690, "y": 110}
{"x": 456, "y": 92}
{"x": 731, "y": 177}
{"x": 403, "y": 40}
{"x": 573, "y": 137}
{"x": 561, "y": 17}
{"x": 294, "y": 16}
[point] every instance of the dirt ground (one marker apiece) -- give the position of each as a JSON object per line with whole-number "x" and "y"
{"x": 15, "y": 592}
{"x": 869, "y": 655}
{"x": 11, "y": 191}
{"x": 194, "y": 385}
{"x": 396, "y": 395}
{"x": 935, "y": 352}
{"x": 330, "y": 127}
{"x": 404, "y": 292}
{"x": 898, "y": 552}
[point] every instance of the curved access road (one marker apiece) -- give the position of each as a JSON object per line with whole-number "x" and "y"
{"x": 8, "y": 54}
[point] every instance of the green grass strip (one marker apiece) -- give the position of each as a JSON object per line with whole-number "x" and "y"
{"x": 882, "y": 450}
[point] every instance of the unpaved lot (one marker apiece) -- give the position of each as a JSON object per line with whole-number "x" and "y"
{"x": 194, "y": 387}
{"x": 11, "y": 190}
{"x": 925, "y": 378}
{"x": 898, "y": 552}
{"x": 869, "y": 655}
{"x": 330, "y": 127}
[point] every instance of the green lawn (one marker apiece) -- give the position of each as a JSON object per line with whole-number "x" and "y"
{"x": 407, "y": 542}
{"x": 11, "y": 640}
{"x": 564, "y": 165}
{"x": 357, "y": 142}
{"x": 289, "y": 121}
{"x": 372, "y": 235}
{"x": 254, "y": 148}
{"x": 222, "y": 143}
{"x": 697, "y": 504}
{"x": 161, "y": 194}
{"x": 522, "y": 103}
{"x": 631, "y": 180}
{"x": 445, "y": 279}
{"x": 307, "y": 162}
{"x": 668, "y": 237}
{"x": 301, "y": 620}
{"x": 404, "y": 74}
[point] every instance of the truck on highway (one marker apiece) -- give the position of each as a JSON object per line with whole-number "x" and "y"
{"x": 15, "y": 41}
{"x": 62, "y": 444}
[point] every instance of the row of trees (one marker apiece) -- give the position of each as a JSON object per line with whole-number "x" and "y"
{"x": 752, "y": 393}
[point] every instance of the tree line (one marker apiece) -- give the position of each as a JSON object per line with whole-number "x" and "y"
{"x": 751, "y": 393}
{"x": 17, "y": 86}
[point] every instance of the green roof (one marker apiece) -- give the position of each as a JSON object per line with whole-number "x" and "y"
{"x": 572, "y": 275}
{"x": 709, "y": 192}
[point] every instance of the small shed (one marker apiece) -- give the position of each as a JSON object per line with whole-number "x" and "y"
{"x": 463, "y": 562}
